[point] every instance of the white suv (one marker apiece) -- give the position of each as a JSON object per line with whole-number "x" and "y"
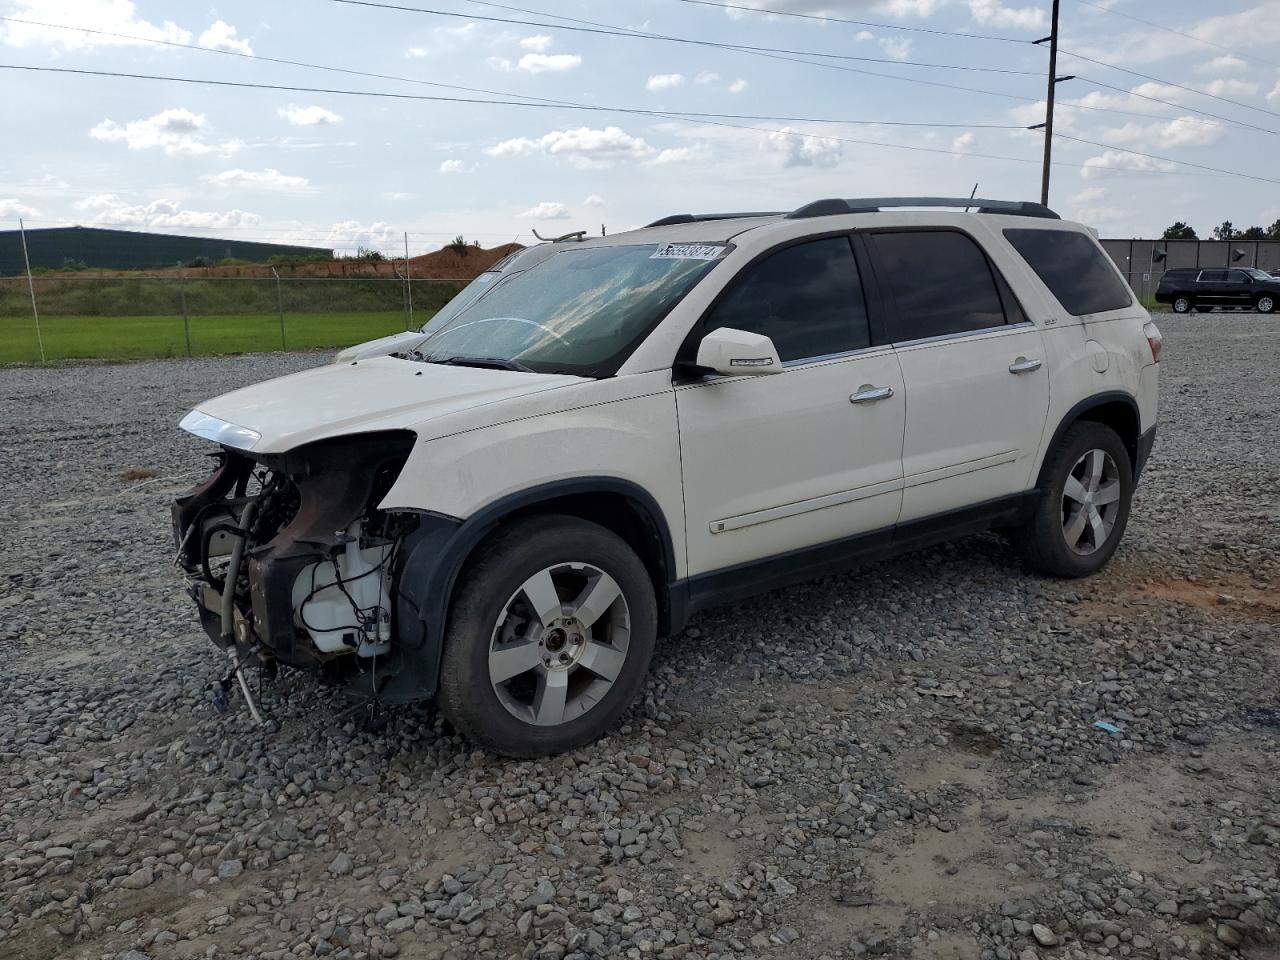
{"x": 506, "y": 514}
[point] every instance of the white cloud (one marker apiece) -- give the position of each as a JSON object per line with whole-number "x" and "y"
{"x": 909, "y": 8}
{"x": 548, "y": 62}
{"x": 595, "y": 200}
{"x": 109, "y": 208}
{"x": 1223, "y": 64}
{"x": 664, "y": 81}
{"x": 11, "y": 208}
{"x": 455, "y": 166}
{"x": 176, "y": 131}
{"x": 501, "y": 63}
{"x": 963, "y": 143}
{"x": 583, "y": 147}
{"x": 1231, "y": 87}
{"x": 896, "y": 47}
{"x": 738, "y": 86}
{"x": 546, "y": 210}
{"x": 349, "y": 234}
{"x": 802, "y": 150}
{"x": 671, "y": 155}
{"x": 1179, "y": 132}
{"x": 706, "y": 77}
{"x": 270, "y": 177}
{"x": 994, "y": 13}
{"x": 111, "y": 16}
{"x": 1115, "y": 160}
{"x": 222, "y": 36}
{"x": 416, "y": 52}
{"x": 309, "y": 116}
{"x": 1255, "y": 27}
{"x": 539, "y": 43}
{"x": 1089, "y": 195}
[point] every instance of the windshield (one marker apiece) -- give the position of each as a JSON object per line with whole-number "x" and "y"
{"x": 462, "y": 299}
{"x": 1258, "y": 274}
{"x": 580, "y": 311}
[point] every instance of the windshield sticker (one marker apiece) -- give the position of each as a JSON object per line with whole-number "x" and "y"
{"x": 686, "y": 251}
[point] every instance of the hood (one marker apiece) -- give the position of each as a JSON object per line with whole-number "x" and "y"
{"x": 384, "y": 346}
{"x": 383, "y": 393}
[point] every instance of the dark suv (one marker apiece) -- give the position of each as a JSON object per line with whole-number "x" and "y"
{"x": 1203, "y": 290}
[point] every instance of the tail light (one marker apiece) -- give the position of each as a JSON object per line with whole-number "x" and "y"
{"x": 1154, "y": 340}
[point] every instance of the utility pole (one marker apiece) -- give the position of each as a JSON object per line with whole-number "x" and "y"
{"x": 1047, "y": 126}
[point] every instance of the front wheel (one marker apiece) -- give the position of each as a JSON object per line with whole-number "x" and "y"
{"x": 1266, "y": 303}
{"x": 1083, "y": 505}
{"x": 549, "y": 639}
{"x": 1181, "y": 304}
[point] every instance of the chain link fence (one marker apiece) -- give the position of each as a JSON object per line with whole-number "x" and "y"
{"x": 130, "y": 317}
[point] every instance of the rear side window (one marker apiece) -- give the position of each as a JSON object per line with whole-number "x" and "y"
{"x": 1074, "y": 268}
{"x": 807, "y": 299}
{"x": 1213, "y": 276}
{"x": 941, "y": 281}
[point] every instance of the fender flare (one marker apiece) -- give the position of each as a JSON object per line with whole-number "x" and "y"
{"x": 433, "y": 556}
{"x": 1083, "y": 407}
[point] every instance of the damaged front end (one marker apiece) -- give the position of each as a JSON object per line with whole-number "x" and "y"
{"x": 289, "y": 560}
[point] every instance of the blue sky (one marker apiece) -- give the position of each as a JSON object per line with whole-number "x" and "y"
{"x": 338, "y": 170}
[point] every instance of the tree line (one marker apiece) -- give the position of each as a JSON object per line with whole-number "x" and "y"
{"x": 1224, "y": 231}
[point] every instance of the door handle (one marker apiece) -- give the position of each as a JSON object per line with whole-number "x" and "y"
{"x": 869, "y": 394}
{"x": 1023, "y": 365}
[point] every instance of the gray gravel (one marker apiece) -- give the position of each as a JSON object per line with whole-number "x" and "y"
{"x": 899, "y": 762}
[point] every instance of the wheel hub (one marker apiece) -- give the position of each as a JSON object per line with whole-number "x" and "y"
{"x": 562, "y": 643}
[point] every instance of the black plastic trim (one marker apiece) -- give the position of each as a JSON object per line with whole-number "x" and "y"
{"x": 744, "y": 580}
{"x": 1145, "y": 443}
{"x": 676, "y": 218}
{"x": 835, "y": 206}
{"x": 436, "y": 552}
{"x": 1084, "y": 406}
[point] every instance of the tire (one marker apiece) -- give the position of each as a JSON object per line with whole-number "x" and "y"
{"x": 1204, "y": 309}
{"x": 1181, "y": 304}
{"x": 575, "y": 676}
{"x": 1046, "y": 541}
{"x": 1266, "y": 303}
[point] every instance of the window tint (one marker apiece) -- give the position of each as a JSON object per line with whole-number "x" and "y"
{"x": 1074, "y": 268}
{"x": 1239, "y": 276}
{"x": 1213, "y": 276}
{"x": 941, "y": 281}
{"x": 807, "y": 299}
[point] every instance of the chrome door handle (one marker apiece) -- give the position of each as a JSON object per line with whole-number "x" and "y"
{"x": 1023, "y": 365}
{"x": 869, "y": 394}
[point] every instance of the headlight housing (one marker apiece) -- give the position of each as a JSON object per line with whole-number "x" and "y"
{"x": 219, "y": 431}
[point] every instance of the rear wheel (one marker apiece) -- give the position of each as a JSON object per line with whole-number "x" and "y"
{"x": 1266, "y": 303}
{"x": 1181, "y": 304}
{"x": 550, "y": 636}
{"x": 1084, "y": 503}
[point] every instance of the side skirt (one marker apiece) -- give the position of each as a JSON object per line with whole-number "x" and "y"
{"x": 744, "y": 580}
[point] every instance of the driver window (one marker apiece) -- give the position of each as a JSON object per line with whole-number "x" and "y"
{"x": 806, "y": 298}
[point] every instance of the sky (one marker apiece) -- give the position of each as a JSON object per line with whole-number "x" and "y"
{"x": 341, "y": 171}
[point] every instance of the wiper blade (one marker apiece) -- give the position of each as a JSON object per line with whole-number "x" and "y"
{"x": 489, "y": 363}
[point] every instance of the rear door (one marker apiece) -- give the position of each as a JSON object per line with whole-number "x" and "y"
{"x": 1212, "y": 288}
{"x": 973, "y": 368}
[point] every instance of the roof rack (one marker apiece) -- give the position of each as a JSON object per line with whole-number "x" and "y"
{"x": 832, "y": 207}
{"x": 701, "y": 217}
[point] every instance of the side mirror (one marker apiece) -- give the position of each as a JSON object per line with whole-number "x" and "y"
{"x": 738, "y": 353}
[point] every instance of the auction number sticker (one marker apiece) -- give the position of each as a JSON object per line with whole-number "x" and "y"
{"x": 686, "y": 251}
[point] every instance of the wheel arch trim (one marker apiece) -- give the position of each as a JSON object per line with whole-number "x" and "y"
{"x": 437, "y": 553}
{"x": 1076, "y": 413}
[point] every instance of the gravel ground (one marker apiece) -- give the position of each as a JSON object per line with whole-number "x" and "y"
{"x": 900, "y": 762}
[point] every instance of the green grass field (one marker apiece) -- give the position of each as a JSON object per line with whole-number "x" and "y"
{"x": 138, "y": 338}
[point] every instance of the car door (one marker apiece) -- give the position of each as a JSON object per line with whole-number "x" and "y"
{"x": 1239, "y": 288}
{"x": 782, "y": 462}
{"x": 1211, "y": 288}
{"x": 973, "y": 367}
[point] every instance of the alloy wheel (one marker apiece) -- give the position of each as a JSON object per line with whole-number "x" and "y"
{"x": 1181, "y": 305}
{"x": 1266, "y": 304}
{"x": 1090, "y": 502}
{"x": 559, "y": 644}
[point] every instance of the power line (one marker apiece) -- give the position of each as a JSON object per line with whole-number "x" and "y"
{"x": 1170, "y": 83}
{"x": 619, "y": 32}
{"x": 592, "y": 26}
{"x": 857, "y": 23}
{"x": 1153, "y": 156}
{"x": 557, "y": 105}
{"x": 712, "y": 122}
{"x": 1216, "y": 119}
{"x": 1180, "y": 33}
